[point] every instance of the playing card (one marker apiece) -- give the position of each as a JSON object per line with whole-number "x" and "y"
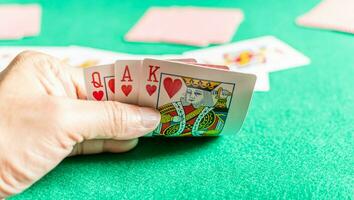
{"x": 99, "y": 81}
{"x": 195, "y": 100}
{"x": 31, "y": 22}
{"x": 73, "y": 55}
{"x": 8, "y": 53}
{"x": 262, "y": 83}
{"x": 87, "y": 56}
{"x": 79, "y": 56}
{"x": 264, "y": 53}
{"x": 257, "y": 56}
{"x": 158, "y": 57}
{"x": 330, "y": 14}
{"x": 17, "y": 21}
{"x": 186, "y": 25}
{"x": 127, "y": 80}
{"x": 213, "y": 66}
{"x": 184, "y": 60}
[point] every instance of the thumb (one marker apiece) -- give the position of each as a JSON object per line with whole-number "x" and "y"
{"x": 110, "y": 120}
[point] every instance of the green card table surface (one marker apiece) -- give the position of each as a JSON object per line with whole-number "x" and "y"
{"x": 296, "y": 142}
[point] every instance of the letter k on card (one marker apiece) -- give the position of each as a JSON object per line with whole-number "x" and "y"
{"x": 150, "y": 79}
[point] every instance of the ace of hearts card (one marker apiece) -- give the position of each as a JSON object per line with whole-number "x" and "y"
{"x": 127, "y": 80}
{"x": 195, "y": 100}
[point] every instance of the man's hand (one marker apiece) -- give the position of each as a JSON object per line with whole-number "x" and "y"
{"x": 44, "y": 118}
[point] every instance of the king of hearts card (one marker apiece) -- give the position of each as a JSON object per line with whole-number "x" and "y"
{"x": 195, "y": 100}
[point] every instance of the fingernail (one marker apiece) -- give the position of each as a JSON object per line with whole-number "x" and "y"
{"x": 150, "y": 117}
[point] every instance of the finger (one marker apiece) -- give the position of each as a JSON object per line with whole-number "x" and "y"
{"x": 109, "y": 119}
{"x": 100, "y": 146}
{"x": 77, "y": 78}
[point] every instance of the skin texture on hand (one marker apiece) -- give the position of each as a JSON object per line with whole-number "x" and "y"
{"x": 45, "y": 117}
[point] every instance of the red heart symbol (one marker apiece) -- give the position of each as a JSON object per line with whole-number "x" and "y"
{"x": 111, "y": 85}
{"x": 150, "y": 89}
{"x": 126, "y": 89}
{"x": 98, "y": 95}
{"x": 172, "y": 86}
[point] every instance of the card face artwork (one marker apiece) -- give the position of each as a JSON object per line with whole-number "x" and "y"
{"x": 191, "y": 106}
{"x": 127, "y": 80}
{"x": 194, "y": 100}
{"x": 99, "y": 82}
{"x": 257, "y": 56}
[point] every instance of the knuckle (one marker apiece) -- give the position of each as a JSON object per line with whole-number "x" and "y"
{"x": 5, "y": 190}
{"x": 26, "y": 54}
{"x": 12, "y": 178}
{"x": 30, "y": 55}
{"x": 37, "y": 59}
{"x": 117, "y": 116}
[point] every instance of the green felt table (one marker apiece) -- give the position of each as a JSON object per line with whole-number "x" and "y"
{"x": 296, "y": 142}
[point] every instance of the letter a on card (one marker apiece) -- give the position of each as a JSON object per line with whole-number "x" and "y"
{"x": 127, "y": 80}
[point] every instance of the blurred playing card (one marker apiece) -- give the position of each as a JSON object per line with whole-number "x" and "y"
{"x": 17, "y": 21}
{"x": 65, "y": 54}
{"x": 257, "y": 56}
{"x": 158, "y": 57}
{"x": 262, "y": 83}
{"x": 330, "y": 14}
{"x": 186, "y": 25}
{"x": 7, "y": 53}
{"x": 87, "y": 56}
{"x": 260, "y": 54}
{"x": 72, "y": 55}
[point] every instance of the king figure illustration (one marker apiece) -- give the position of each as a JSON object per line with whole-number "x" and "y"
{"x": 197, "y": 113}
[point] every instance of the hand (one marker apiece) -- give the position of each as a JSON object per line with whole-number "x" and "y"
{"x": 44, "y": 118}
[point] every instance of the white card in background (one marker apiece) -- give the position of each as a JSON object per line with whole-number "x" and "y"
{"x": 8, "y": 53}
{"x": 73, "y": 56}
{"x": 262, "y": 83}
{"x": 99, "y": 82}
{"x": 87, "y": 56}
{"x": 158, "y": 57}
{"x": 195, "y": 100}
{"x": 127, "y": 79}
{"x": 264, "y": 53}
{"x": 77, "y": 56}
